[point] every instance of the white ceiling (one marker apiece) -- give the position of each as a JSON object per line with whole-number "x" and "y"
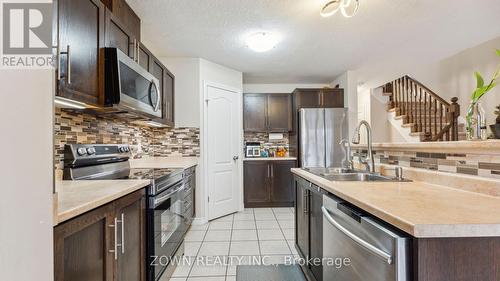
{"x": 314, "y": 49}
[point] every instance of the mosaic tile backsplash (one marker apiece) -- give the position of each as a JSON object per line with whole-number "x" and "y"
{"x": 76, "y": 127}
{"x": 263, "y": 138}
{"x": 471, "y": 164}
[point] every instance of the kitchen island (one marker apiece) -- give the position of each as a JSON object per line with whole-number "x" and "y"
{"x": 453, "y": 234}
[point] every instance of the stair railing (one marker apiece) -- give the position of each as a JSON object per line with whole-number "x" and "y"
{"x": 425, "y": 110}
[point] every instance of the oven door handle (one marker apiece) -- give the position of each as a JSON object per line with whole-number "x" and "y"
{"x": 164, "y": 198}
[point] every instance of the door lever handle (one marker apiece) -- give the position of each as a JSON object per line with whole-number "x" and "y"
{"x": 236, "y": 158}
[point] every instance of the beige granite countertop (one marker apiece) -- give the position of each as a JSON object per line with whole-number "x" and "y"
{"x": 420, "y": 209}
{"x": 479, "y": 147}
{"x": 77, "y": 197}
{"x": 164, "y": 162}
{"x": 269, "y": 158}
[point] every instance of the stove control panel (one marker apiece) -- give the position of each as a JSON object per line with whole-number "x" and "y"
{"x": 83, "y": 151}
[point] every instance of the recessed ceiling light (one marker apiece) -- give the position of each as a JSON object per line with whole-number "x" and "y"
{"x": 262, "y": 41}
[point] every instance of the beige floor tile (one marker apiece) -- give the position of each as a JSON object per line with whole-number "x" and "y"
{"x": 191, "y": 248}
{"x": 263, "y": 210}
{"x": 291, "y": 245}
{"x": 265, "y": 217}
{"x": 286, "y": 224}
{"x": 195, "y": 235}
{"x": 218, "y": 235}
{"x": 278, "y": 259}
{"x": 199, "y": 270}
{"x": 274, "y": 248}
{"x": 230, "y": 278}
{"x": 244, "y": 225}
{"x": 267, "y": 225}
{"x": 270, "y": 234}
{"x": 284, "y": 216}
{"x": 207, "y": 278}
{"x": 182, "y": 270}
{"x": 244, "y": 217}
{"x": 281, "y": 210}
{"x": 244, "y": 235}
{"x": 289, "y": 233}
{"x": 199, "y": 226}
{"x": 214, "y": 249}
{"x": 225, "y": 218}
{"x": 220, "y": 225}
{"x": 244, "y": 248}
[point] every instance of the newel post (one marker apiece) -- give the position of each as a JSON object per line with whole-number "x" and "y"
{"x": 454, "y": 113}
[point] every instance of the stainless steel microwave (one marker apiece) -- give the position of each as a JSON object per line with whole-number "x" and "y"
{"x": 130, "y": 87}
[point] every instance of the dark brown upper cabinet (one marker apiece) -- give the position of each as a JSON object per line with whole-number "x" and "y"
{"x": 268, "y": 184}
{"x": 318, "y": 98}
{"x": 118, "y": 36}
{"x": 167, "y": 84}
{"x": 126, "y": 15}
{"x": 267, "y": 112}
{"x": 80, "y": 35}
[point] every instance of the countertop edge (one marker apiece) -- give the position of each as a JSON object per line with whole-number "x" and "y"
{"x": 76, "y": 211}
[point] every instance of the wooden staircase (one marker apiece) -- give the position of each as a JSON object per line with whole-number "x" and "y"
{"x": 429, "y": 116}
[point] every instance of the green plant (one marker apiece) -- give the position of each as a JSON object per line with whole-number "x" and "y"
{"x": 482, "y": 89}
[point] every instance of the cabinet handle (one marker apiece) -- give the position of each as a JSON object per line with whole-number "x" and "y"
{"x": 123, "y": 233}
{"x": 272, "y": 171}
{"x": 68, "y": 64}
{"x": 305, "y": 207}
{"x": 115, "y": 247}
{"x": 268, "y": 170}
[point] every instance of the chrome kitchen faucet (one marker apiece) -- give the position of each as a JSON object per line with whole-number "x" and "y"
{"x": 368, "y": 160}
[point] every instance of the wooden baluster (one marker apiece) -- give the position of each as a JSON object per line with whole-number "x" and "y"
{"x": 425, "y": 112}
{"x": 405, "y": 98}
{"x": 420, "y": 111}
{"x": 410, "y": 100}
{"x": 440, "y": 119}
{"x": 400, "y": 109}
{"x": 449, "y": 120}
{"x": 435, "y": 116}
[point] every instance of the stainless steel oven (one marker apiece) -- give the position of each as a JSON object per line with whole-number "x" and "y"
{"x": 130, "y": 87}
{"x": 167, "y": 226}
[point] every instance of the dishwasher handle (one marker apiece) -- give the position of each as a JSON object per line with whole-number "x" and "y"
{"x": 369, "y": 247}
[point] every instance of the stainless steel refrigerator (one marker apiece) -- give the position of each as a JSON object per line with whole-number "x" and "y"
{"x": 320, "y": 131}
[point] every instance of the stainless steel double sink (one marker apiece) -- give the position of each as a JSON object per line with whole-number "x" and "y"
{"x": 343, "y": 174}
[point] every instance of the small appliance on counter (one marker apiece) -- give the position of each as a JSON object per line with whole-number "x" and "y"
{"x": 252, "y": 149}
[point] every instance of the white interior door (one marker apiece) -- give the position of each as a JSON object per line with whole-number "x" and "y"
{"x": 223, "y": 151}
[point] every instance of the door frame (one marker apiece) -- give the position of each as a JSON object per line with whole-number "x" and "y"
{"x": 204, "y": 144}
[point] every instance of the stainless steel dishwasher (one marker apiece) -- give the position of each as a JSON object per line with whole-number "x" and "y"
{"x": 359, "y": 247}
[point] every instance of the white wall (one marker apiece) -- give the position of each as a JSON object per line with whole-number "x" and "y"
{"x": 26, "y": 171}
{"x": 349, "y": 82}
{"x": 190, "y": 76}
{"x": 278, "y": 88}
{"x": 187, "y": 90}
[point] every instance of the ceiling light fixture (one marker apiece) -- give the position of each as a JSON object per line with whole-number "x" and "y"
{"x": 261, "y": 41}
{"x": 348, "y": 8}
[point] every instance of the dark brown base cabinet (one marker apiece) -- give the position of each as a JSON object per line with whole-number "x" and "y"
{"x": 268, "y": 183}
{"x": 85, "y": 247}
{"x": 309, "y": 225}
